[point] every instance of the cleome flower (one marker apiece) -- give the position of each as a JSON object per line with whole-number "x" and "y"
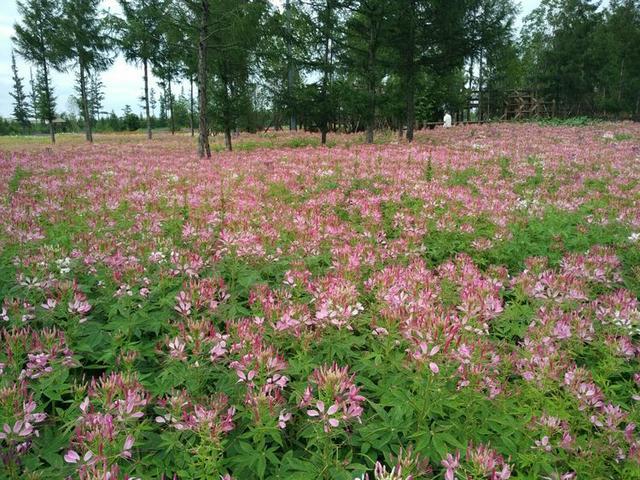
{"x": 332, "y": 396}
{"x": 211, "y": 416}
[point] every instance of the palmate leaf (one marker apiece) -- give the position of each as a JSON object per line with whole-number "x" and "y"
{"x": 52, "y": 387}
{"x": 293, "y": 467}
{"x": 252, "y": 462}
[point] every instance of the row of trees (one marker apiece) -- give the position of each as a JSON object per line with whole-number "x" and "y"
{"x": 327, "y": 65}
{"x": 584, "y": 57}
{"x": 62, "y": 36}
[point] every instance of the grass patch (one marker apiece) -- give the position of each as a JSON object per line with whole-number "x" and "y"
{"x": 16, "y": 179}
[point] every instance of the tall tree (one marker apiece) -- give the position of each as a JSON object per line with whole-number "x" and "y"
{"x": 559, "y": 42}
{"x": 406, "y": 20}
{"x": 200, "y": 13}
{"x": 166, "y": 64}
{"x": 429, "y": 41}
{"x": 501, "y": 74}
{"x": 618, "y": 57}
{"x": 33, "y": 97}
{"x": 37, "y": 40}
{"x": 96, "y": 96}
{"x": 235, "y": 29}
{"x": 182, "y": 27}
{"x": 366, "y": 30}
{"x": 324, "y": 45}
{"x": 20, "y": 102}
{"x": 288, "y": 9}
{"x": 86, "y": 44}
{"x": 489, "y": 26}
{"x": 203, "y": 47}
{"x": 139, "y": 35}
{"x": 281, "y": 57}
{"x": 45, "y": 100}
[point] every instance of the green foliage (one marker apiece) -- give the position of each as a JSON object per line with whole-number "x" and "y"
{"x": 130, "y": 120}
{"x": 460, "y": 178}
{"x": 406, "y": 404}
{"x": 580, "y": 121}
{"x": 621, "y": 137}
{"x": 20, "y": 106}
{"x": 85, "y": 42}
{"x": 18, "y": 175}
{"x": 580, "y": 56}
{"x": 37, "y": 40}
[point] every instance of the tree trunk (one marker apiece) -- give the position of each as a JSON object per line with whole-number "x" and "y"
{"x": 47, "y": 93}
{"x": 324, "y": 120}
{"x": 173, "y": 122}
{"x": 470, "y": 93}
{"x": 227, "y": 138}
{"x": 411, "y": 106}
{"x": 480, "y": 79}
{"x": 146, "y": 96}
{"x": 203, "y": 135}
{"x": 371, "y": 85}
{"x": 292, "y": 112}
{"x": 85, "y": 105}
{"x": 191, "y": 105}
{"x": 226, "y": 110}
{"x": 411, "y": 73}
{"x": 620, "y": 82}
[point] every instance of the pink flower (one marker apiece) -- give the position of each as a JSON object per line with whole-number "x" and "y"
{"x": 219, "y": 350}
{"x": 380, "y": 331}
{"x": 22, "y": 428}
{"x": 184, "y": 305}
{"x": 451, "y": 463}
{"x": 544, "y": 443}
{"x": 71, "y": 457}
{"x": 126, "y": 448}
{"x": 176, "y": 349}
{"x": 327, "y": 418}
{"x": 283, "y": 418}
{"x": 567, "y": 440}
{"x": 50, "y": 305}
{"x": 84, "y": 405}
{"x": 316, "y": 413}
{"x": 79, "y": 304}
{"x": 245, "y": 377}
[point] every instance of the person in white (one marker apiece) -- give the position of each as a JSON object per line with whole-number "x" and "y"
{"x": 447, "y": 120}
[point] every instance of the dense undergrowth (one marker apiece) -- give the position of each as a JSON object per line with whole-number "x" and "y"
{"x": 464, "y": 308}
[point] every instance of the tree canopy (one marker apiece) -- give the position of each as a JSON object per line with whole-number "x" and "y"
{"x": 340, "y": 65}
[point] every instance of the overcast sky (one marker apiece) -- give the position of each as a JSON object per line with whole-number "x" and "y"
{"x": 122, "y": 82}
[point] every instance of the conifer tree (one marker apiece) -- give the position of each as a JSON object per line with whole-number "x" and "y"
{"x": 20, "y": 102}
{"x": 37, "y": 40}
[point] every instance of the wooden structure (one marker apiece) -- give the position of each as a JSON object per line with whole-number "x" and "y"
{"x": 479, "y": 107}
{"x": 59, "y": 124}
{"x": 525, "y": 104}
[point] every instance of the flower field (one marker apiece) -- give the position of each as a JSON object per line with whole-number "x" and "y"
{"x": 465, "y": 307}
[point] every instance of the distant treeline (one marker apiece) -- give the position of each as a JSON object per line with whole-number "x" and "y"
{"x": 328, "y": 65}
